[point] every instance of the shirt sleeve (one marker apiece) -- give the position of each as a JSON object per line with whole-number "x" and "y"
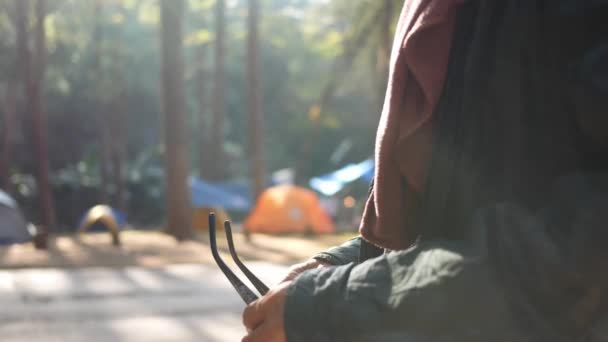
{"x": 341, "y": 255}
{"x": 420, "y": 295}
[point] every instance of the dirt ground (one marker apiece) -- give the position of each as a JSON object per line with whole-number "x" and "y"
{"x": 155, "y": 248}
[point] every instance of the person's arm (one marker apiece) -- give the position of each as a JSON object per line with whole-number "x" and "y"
{"x": 419, "y": 294}
{"x": 339, "y": 255}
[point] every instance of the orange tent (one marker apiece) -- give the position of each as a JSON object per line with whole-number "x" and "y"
{"x": 288, "y": 209}
{"x": 200, "y": 217}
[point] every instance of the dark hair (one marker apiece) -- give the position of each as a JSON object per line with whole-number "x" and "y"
{"x": 523, "y": 106}
{"x": 507, "y": 124}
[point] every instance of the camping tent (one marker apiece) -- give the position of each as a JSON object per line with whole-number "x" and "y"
{"x": 288, "y": 209}
{"x": 216, "y": 197}
{"x": 333, "y": 182}
{"x": 200, "y": 217}
{"x": 13, "y": 227}
{"x": 208, "y": 195}
{"x": 103, "y": 217}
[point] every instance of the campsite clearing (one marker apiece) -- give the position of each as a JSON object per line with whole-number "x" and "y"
{"x": 186, "y": 302}
{"x": 154, "y": 249}
{"x": 151, "y": 288}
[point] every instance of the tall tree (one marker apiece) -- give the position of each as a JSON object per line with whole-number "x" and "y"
{"x": 105, "y": 140}
{"x": 176, "y": 143}
{"x": 256, "y": 114}
{"x": 351, "y": 49}
{"x": 6, "y": 134}
{"x": 371, "y": 30}
{"x": 117, "y": 150}
{"x": 204, "y": 141}
{"x": 219, "y": 106}
{"x": 33, "y": 78}
{"x": 384, "y": 49}
{"x": 116, "y": 119}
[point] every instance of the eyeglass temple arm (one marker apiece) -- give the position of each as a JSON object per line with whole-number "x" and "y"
{"x": 242, "y": 289}
{"x": 259, "y": 285}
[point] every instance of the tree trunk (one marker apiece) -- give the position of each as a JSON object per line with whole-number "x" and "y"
{"x": 116, "y": 125}
{"x": 384, "y": 51}
{"x": 104, "y": 155}
{"x": 118, "y": 151}
{"x": 256, "y": 115}
{"x": 176, "y": 145}
{"x": 6, "y": 134}
{"x": 33, "y": 79}
{"x": 219, "y": 98}
{"x": 205, "y": 163}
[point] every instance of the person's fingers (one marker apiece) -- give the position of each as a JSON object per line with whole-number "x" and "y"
{"x": 262, "y": 334}
{"x": 253, "y": 316}
{"x": 263, "y": 318}
{"x": 267, "y": 332}
{"x": 291, "y": 275}
{"x": 296, "y": 269}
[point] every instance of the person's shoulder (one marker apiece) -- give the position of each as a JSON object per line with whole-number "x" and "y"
{"x": 437, "y": 261}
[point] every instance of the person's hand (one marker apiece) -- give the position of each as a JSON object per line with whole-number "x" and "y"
{"x": 263, "y": 318}
{"x": 296, "y": 269}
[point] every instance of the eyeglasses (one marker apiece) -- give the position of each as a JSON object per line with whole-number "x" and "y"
{"x": 245, "y": 292}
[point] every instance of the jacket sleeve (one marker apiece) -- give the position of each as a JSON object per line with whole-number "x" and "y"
{"x": 415, "y": 295}
{"x": 341, "y": 255}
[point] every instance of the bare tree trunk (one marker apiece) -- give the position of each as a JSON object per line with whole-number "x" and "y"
{"x": 6, "y": 134}
{"x": 176, "y": 144}
{"x": 203, "y": 132}
{"x": 104, "y": 155}
{"x": 219, "y": 98}
{"x": 384, "y": 51}
{"x": 40, "y": 127}
{"x": 33, "y": 78}
{"x": 256, "y": 114}
{"x": 116, "y": 126}
{"x": 118, "y": 151}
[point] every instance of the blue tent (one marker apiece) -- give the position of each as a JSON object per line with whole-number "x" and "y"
{"x": 368, "y": 175}
{"x": 333, "y": 182}
{"x": 234, "y": 188}
{"x": 226, "y": 196}
{"x": 13, "y": 226}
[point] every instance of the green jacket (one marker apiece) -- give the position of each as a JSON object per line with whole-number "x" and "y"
{"x": 433, "y": 292}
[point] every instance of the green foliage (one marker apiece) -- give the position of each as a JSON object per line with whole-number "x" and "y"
{"x": 303, "y": 45}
